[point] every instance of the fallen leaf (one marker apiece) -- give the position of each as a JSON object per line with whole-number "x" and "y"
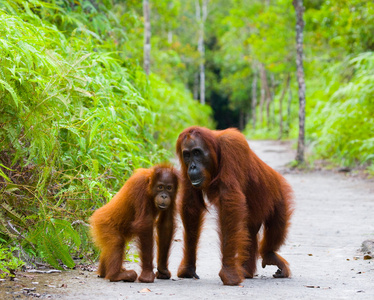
{"x": 367, "y": 256}
{"x": 310, "y": 254}
{"x": 145, "y": 290}
{"x": 312, "y": 286}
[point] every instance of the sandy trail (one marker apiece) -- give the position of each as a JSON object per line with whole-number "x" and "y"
{"x": 334, "y": 214}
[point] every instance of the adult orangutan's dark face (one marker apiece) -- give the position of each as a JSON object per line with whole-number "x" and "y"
{"x": 197, "y": 158}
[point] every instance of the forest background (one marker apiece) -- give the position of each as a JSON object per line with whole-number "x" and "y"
{"x": 78, "y": 113}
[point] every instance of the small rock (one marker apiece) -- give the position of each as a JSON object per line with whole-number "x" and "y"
{"x": 50, "y": 285}
{"x": 367, "y": 246}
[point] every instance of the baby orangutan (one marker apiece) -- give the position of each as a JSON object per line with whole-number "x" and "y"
{"x": 147, "y": 200}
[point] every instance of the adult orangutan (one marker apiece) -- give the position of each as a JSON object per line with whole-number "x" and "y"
{"x": 247, "y": 193}
{"x": 147, "y": 200}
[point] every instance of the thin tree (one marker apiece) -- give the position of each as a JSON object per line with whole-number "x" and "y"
{"x": 201, "y": 15}
{"x": 147, "y": 36}
{"x": 241, "y": 119}
{"x": 299, "y": 8}
{"x": 271, "y": 100}
{"x": 254, "y": 97}
{"x": 196, "y": 86}
{"x": 263, "y": 93}
{"x": 281, "y": 105}
{"x": 289, "y": 102}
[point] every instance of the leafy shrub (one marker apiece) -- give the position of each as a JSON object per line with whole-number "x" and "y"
{"x": 342, "y": 120}
{"x": 8, "y": 261}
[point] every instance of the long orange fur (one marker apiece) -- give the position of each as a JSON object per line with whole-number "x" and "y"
{"x": 248, "y": 194}
{"x": 130, "y": 213}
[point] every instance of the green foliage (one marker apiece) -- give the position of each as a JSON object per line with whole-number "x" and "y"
{"x": 54, "y": 240}
{"x": 8, "y": 261}
{"x": 175, "y": 106}
{"x": 342, "y": 26}
{"x": 342, "y": 121}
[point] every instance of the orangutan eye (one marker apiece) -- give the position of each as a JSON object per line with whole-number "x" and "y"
{"x": 169, "y": 188}
{"x": 196, "y": 152}
{"x": 186, "y": 155}
{"x": 160, "y": 187}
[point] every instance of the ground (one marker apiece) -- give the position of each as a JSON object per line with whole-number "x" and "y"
{"x": 333, "y": 217}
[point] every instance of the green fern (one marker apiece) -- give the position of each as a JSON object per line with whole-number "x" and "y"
{"x": 54, "y": 240}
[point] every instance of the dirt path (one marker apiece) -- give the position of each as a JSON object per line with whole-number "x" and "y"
{"x": 334, "y": 215}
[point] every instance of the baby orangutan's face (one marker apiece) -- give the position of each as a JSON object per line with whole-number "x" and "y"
{"x": 164, "y": 190}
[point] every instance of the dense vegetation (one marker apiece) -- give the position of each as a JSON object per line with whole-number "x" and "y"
{"x": 78, "y": 114}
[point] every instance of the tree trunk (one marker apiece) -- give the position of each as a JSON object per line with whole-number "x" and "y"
{"x": 170, "y": 36}
{"x": 271, "y": 100}
{"x": 262, "y": 99}
{"x": 254, "y": 99}
{"x": 147, "y": 36}
{"x": 196, "y": 86}
{"x": 265, "y": 94}
{"x": 281, "y": 106}
{"x": 201, "y": 15}
{"x": 247, "y": 117}
{"x": 289, "y": 107}
{"x": 299, "y": 8}
{"x": 268, "y": 100}
{"x": 241, "y": 120}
